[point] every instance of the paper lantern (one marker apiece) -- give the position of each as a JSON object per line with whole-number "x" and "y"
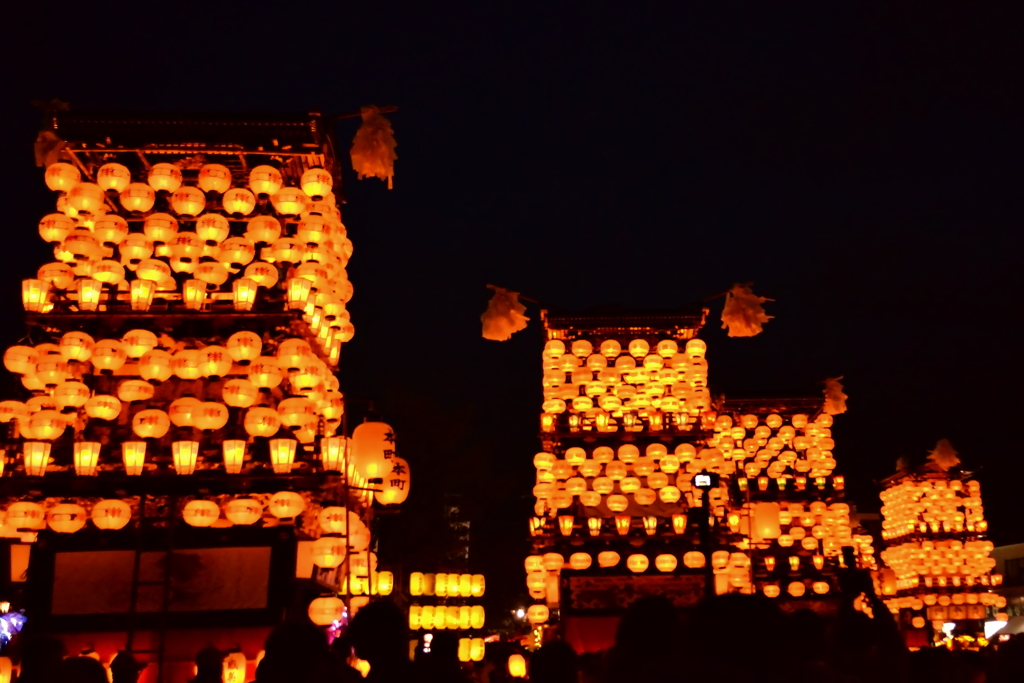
{"x": 665, "y": 563}
{"x": 286, "y": 504}
{"x": 373, "y": 445}
{"x": 185, "y": 364}
{"x": 111, "y": 515}
{"x": 517, "y": 666}
{"x": 244, "y": 511}
{"x": 329, "y": 552}
{"x": 580, "y": 561}
{"x": 113, "y": 177}
{"x": 637, "y": 563}
{"x": 156, "y": 366}
{"x": 234, "y": 455}
{"x": 108, "y": 356}
{"x": 44, "y": 424}
{"x": 244, "y": 292}
{"x": 325, "y": 611}
{"x": 34, "y": 295}
{"x": 133, "y": 454}
{"x": 103, "y": 407}
{"x": 537, "y": 614}
{"x": 138, "y": 197}
{"x": 396, "y": 485}
{"x": 316, "y": 182}
{"x": 214, "y": 362}
{"x": 214, "y": 178}
{"x": 240, "y": 393}
{"x": 796, "y": 589}
{"x": 26, "y": 516}
{"x": 165, "y": 177}
{"x": 61, "y": 177}
{"x": 141, "y": 294}
{"x": 183, "y": 411}
{"x": 282, "y": 455}
{"x": 607, "y": 558}
{"x": 184, "y": 454}
{"x": 21, "y": 359}
{"x": 265, "y": 180}
{"x": 87, "y": 457}
{"x": 152, "y": 423}
{"x": 265, "y": 372}
{"x": 263, "y": 229}
{"x": 262, "y": 422}
{"x": 337, "y": 520}
{"x": 70, "y": 395}
{"x": 66, "y": 518}
{"x": 238, "y": 201}
{"x": 244, "y": 346}
{"x": 132, "y": 390}
{"x": 210, "y": 416}
{"x": 200, "y": 513}
{"x": 332, "y": 453}
{"x": 765, "y": 522}
{"x": 289, "y": 201}
{"x": 55, "y": 227}
{"x": 87, "y": 198}
{"x": 188, "y": 201}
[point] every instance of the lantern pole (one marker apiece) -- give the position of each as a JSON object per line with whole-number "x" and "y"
{"x": 706, "y": 481}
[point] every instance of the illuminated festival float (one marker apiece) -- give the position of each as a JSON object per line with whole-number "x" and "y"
{"x": 650, "y": 484}
{"x": 178, "y": 468}
{"x": 939, "y": 576}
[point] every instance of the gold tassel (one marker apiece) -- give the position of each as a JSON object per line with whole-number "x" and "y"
{"x": 743, "y": 314}
{"x": 944, "y": 456}
{"x": 835, "y": 399}
{"x": 504, "y": 315}
{"x": 373, "y": 148}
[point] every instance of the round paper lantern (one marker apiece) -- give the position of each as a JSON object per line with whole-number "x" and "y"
{"x": 13, "y": 410}
{"x": 47, "y": 424}
{"x": 694, "y": 559}
{"x": 286, "y": 504}
{"x": 580, "y": 561}
{"x": 111, "y": 514}
{"x": 87, "y": 198}
{"x": 373, "y": 445}
{"x": 265, "y": 372}
{"x": 337, "y": 520}
{"x": 243, "y": 511}
{"x": 103, "y": 407}
{"x": 796, "y": 589}
{"x": 108, "y": 356}
{"x": 213, "y": 228}
{"x": 66, "y": 518}
{"x": 329, "y": 551}
{"x": 238, "y": 201}
{"x": 214, "y": 362}
{"x": 166, "y": 177}
{"x": 637, "y": 563}
{"x": 263, "y": 229}
{"x": 113, "y": 177}
{"x": 186, "y": 364}
{"x": 517, "y": 666}
{"x": 316, "y": 182}
{"x": 262, "y": 422}
{"x": 289, "y": 201}
{"x": 151, "y": 424}
{"x": 244, "y": 346}
{"x": 26, "y": 516}
{"x": 201, "y": 513}
{"x": 772, "y": 591}
{"x": 21, "y": 359}
{"x": 325, "y": 611}
{"x": 537, "y": 614}
{"x": 210, "y": 416}
{"x": 111, "y": 230}
{"x": 156, "y": 366}
{"x": 138, "y": 197}
{"x": 240, "y": 393}
{"x": 61, "y": 177}
{"x": 182, "y": 411}
{"x": 607, "y": 558}
{"x": 265, "y": 180}
{"x": 188, "y": 201}
{"x": 214, "y": 178}
{"x": 132, "y": 390}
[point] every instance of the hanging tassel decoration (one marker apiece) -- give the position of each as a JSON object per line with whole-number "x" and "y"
{"x": 835, "y": 399}
{"x": 943, "y": 456}
{"x": 373, "y": 148}
{"x": 504, "y": 315}
{"x": 743, "y": 314}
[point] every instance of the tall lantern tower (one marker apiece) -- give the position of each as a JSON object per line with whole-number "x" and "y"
{"x": 181, "y": 405}
{"x": 648, "y": 484}
{"x": 939, "y": 571}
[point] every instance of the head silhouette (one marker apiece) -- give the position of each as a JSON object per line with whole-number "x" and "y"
{"x": 81, "y": 670}
{"x": 379, "y": 634}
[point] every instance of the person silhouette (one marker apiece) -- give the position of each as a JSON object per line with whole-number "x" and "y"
{"x": 379, "y": 635}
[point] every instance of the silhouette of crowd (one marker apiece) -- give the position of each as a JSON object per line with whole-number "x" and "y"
{"x": 727, "y": 639}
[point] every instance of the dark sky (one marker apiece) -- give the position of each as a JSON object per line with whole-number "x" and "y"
{"x": 862, "y": 166}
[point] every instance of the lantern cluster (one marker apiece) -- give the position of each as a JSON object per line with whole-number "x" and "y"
{"x": 64, "y": 516}
{"x": 651, "y": 385}
{"x": 129, "y": 245}
{"x": 149, "y": 382}
{"x": 775, "y": 451}
{"x": 939, "y": 564}
{"x": 445, "y": 585}
{"x": 451, "y": 617}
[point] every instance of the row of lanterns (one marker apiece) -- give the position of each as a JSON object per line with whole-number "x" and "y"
{"x": 451, "y": 617}
{"x": 638, "y": 387}
{"x": 315, "y": 184}
{"x": 447, "y": 585}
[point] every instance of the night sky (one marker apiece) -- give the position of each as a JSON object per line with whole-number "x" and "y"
{"x": 861, "y": 166}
